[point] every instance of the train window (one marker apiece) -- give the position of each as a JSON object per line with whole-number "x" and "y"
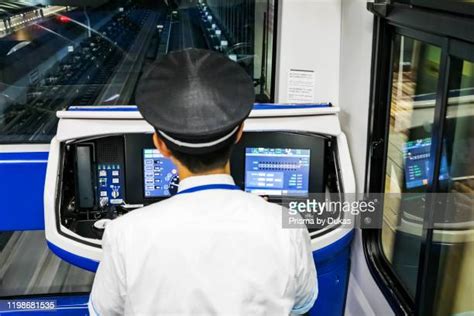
{"x": 93, "y": 52}
{"x": 453, "y": 243}
{"x": 27, "y": 267}
{"x": 422, "y": 258}
{"x": 415, "y": 73}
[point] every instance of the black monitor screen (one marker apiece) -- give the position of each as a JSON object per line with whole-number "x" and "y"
{"x": 160, "y": 176}
{"x": 277, "y": 171}
{"x": 417, "y": 163}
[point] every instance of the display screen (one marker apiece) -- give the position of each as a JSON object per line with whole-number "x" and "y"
{"x": 417, "y": 163}
{"x": 277, "y": 171}
{"x": 160, "y": 175}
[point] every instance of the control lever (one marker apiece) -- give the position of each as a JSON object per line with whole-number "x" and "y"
{"x": 101, "y": 223}
{"x": 99, "y": 227}
{"x": 111, "y": 212}
{"x": 132, "y": 206}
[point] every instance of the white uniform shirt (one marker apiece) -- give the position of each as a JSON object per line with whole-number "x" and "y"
{"x": 205, "y": 252}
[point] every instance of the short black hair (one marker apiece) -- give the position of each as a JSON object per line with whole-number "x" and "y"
{"x": 199, "y": 163}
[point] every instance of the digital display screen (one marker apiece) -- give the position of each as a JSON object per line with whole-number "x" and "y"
{"x": 277, "y": 171}
{"x": 160, "y": 175}
{"x": 417, "y": 163}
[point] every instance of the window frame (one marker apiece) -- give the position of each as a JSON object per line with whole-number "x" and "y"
{"x": 447, "y": 31}
{"x": 461, "y": 8}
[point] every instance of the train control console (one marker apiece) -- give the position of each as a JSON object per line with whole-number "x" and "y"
{"x": 103, "y": 164}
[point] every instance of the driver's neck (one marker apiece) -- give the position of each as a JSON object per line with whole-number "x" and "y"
{"x": 184, "y": 172}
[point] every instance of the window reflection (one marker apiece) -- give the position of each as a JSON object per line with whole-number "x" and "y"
{"x": 408, "y": 174}
{"x": 453, "y": 241}
{"x": 93, "y": 52}
{"x": 414, "y": 85}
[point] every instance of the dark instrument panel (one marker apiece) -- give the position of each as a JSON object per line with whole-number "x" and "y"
{"x": 105, "y": 177}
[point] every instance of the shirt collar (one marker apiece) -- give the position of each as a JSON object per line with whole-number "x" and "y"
{"x": 196, "y": 181}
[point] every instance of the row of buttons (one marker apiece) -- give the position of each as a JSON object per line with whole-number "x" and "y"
{"x": 103, "y": 173}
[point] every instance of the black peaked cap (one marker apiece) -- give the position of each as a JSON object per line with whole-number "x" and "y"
{"x": 195, "y": 96}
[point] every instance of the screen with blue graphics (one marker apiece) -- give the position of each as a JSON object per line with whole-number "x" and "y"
{"x": 160, "y": 175}
{"x": 417, "y": 163}
{"x": 277, "y": 171}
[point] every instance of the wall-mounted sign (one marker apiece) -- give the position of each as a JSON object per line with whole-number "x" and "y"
{"x": 301, "y": 86}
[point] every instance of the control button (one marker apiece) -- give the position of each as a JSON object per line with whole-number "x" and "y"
{"x": 115, "y": 173}
{"x": 115, "y": 180}
{"x": 103, "y": 193}
{"x": 103, "y": 173}
{"x": 115, "y": 193}
{"x": 104, "y": 201}
{"x": 116, "y": 201}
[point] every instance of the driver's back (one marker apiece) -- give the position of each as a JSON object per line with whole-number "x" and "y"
{"x": 205, "y": 252}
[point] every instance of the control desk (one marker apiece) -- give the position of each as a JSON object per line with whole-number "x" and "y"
{"x": 103, "y": 164}
{"x": 105, "y": 177}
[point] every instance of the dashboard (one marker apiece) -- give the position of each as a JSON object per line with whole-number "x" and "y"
{"x": 105, "y": 177}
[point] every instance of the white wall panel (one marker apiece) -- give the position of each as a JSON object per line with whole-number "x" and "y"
{"x": 309, "y": 39}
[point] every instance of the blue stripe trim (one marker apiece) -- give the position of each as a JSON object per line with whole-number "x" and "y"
{"x": 273, "y": 106}
{"x": 330, "y": 252}
{"x": 257, "y": 106}
{"x": 104, "y": 109}
{"x": 24, "y": 156}
{"x": 217, "y": 186}
{"x": 85, "y": 263}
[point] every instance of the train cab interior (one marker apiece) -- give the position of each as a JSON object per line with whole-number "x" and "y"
{"x": 360, "y": 100}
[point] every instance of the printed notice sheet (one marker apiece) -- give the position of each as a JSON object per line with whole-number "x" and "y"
{"x": 301, "y": 86}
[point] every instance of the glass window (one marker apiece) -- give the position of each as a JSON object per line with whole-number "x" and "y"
{"x": 414, "y": 84}
{"x": 93, "y": 52}
{"x": 453, "y": 241}
{"x": 28, "y": 267}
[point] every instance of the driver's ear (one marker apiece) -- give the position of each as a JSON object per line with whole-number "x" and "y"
{"x": 239, "y": 133}
{"x": 161, "y": 146}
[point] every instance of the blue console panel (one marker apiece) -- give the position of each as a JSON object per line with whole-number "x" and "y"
{"x": 333, "y": 266}
{"x": 22, "y": 177}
